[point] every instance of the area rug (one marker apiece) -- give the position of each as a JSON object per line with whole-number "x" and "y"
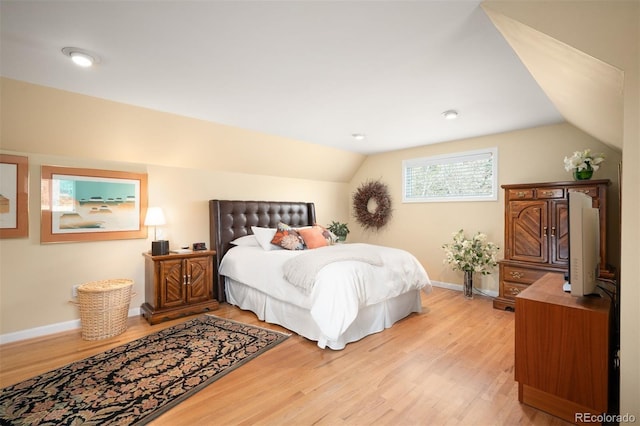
{"x": 136, "y": 382}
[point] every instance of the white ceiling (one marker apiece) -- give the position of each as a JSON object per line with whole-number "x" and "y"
{"x": 316, "y": 71}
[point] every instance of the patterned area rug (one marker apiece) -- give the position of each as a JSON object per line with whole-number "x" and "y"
{"x": 136, "y": 382}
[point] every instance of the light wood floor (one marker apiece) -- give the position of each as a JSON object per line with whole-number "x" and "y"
{"x": 452, "y": 364}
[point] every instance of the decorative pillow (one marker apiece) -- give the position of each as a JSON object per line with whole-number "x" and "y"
{"x": 264, "y": 236}
{"x": 287, "y": 238}
{"x": 316, "y": 236}
{"x": 246, "y": 241}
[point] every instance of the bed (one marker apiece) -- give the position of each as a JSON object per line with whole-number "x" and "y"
{"x": 333, "y": 303}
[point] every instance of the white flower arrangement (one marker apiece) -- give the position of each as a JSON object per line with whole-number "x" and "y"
{"x": 583, "y": 160}
{"x": 471, "y": 255}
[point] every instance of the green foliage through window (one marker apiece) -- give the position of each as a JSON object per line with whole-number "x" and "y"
{"x": 466, "y": 176}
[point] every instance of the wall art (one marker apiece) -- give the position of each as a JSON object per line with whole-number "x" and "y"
{"x": 91, "y": 205}
{"x": 14, "y": 196}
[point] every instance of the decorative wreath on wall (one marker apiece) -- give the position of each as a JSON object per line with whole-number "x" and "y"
{"x": 379, "y": 193}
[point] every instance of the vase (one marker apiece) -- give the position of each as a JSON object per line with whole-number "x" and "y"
{"x": 468, "y": 285}
{"x": 583, "y": 174}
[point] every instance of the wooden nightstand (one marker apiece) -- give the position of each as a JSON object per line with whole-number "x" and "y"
{"x": 177, "y": 285}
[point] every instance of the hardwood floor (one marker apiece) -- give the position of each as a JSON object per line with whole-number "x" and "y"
{"x": 452, "y": 364}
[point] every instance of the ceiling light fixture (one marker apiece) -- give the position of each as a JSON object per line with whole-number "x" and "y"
{"x": 451, "y": 114}
{"x": 80, "y": 57}
{"x": 358, "y": 136}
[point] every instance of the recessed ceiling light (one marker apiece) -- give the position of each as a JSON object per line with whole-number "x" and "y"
{"x": 450, "y": 114}
{"x": 80, "y": 57}
{"x": 358, "y": 136}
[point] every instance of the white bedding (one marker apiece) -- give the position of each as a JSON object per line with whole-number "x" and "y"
{"x": 342, "y": 289}
{"x": 302, "y": 270}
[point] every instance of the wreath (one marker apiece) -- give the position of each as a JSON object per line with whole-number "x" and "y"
{"x": 378, "y": 192}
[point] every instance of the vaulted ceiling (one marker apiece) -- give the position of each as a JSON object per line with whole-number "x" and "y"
{"x": 586, "y": 90}
{"x": 315, "y": 71}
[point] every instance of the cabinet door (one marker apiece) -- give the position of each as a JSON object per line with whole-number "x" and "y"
{"x": 528, "y": 231}
{"x": 199, "y": 279}
{"x": 559, "y": 243}
{"x": 172, "y": 283}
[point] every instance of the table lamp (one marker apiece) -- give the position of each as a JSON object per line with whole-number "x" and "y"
{"x": 155, "y": 217}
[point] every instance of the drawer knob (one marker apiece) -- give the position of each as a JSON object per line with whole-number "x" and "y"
{"x": 514, "y": 291}
{"x": 547, "y": 193}
{"x": 516, "y": 274}
{"x": 521, "y": 194}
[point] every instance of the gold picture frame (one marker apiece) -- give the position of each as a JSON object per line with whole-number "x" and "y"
{"x": 14, "y": 196}
{"x": 91, "y": 205}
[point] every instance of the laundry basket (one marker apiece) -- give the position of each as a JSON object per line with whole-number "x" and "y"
{"x": 104, "y": 307}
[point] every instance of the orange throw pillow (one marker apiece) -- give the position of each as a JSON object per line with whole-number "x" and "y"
{"x": 314, "y": 237}
{"x": 287, "y": 238}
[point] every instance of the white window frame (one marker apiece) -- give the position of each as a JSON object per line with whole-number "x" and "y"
{"x": 457, "y": 157}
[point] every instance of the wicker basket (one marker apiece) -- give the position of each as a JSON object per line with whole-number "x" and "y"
{"x": 104, "y": 307}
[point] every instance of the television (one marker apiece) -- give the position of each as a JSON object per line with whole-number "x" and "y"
{"x": 584, "y": 245}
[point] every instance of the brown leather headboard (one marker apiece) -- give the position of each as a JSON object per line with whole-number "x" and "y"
{"x": 231, "y": 219}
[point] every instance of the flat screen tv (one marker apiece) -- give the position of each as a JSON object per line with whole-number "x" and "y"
{"x": 584, "y": 244}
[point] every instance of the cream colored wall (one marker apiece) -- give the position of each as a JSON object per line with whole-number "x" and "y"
{"x": 184, "y": 193}
{"x": 188, "y": 162}
{"x": 533, "y": 155}
{"x": 36, "y": 279}
{"x": 43, "y": 120}
{"x": 630, "y": 267}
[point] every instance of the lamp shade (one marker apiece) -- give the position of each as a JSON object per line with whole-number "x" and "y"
{"x": 154, "y": 217}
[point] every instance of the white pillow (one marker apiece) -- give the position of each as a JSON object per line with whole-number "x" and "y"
{"x": 246, "y": 241}
{"x": 264, "y": 237}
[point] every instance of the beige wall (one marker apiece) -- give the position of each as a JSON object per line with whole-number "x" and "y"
{"x": 36, "y": 279}
{"x": 188, "y": 162}
{"x": 533, "y": 155}
{"x": 43, "y": 120}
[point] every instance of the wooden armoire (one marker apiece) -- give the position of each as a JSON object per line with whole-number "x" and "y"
{"x": 536, "y": 233}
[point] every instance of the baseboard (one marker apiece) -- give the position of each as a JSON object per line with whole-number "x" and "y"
{"x": 49, "y": 329}
{"x": 75, "y": 324}
{"x": 458, "y": 287}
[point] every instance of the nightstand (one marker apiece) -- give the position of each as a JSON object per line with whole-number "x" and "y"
{"x": 177, "y": 285}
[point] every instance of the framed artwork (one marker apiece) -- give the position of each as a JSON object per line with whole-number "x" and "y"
{"x": 14, "y": 196}
{"x": 91, "y": 205}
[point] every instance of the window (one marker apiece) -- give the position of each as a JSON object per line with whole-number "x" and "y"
{"x": 464, "y": 176}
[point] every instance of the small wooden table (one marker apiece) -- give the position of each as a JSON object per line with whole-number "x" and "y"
{"x": 562, "y": 350}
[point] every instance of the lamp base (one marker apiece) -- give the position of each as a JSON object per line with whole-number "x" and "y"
{"x": 159, "y": 248}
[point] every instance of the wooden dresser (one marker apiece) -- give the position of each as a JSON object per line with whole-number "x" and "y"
{"x": 536, "y": 233}
{"x": 562, "y": 350}
{"x": 178, "y": 285}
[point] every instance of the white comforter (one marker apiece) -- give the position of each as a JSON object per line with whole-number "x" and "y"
{"x": 341, "y": 288}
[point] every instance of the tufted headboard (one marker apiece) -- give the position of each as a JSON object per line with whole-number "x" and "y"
{"x": 231, "y": 219}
